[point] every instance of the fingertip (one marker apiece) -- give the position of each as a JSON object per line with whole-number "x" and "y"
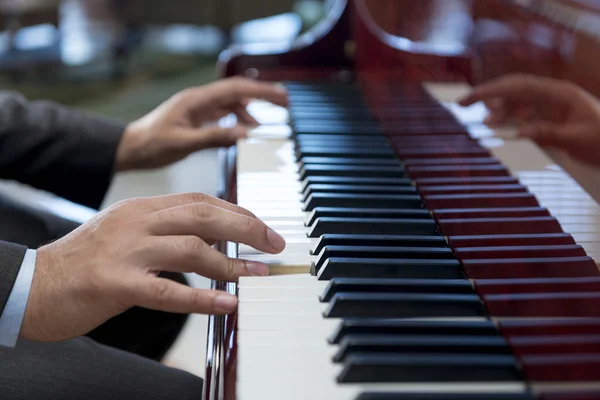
{"x": 237, "y": 133}
{"x": 466, "y": 101}
{"x": 281, "y": 90}
{"x": 257, "y": 268}
{"x": 276, "y": 240}
{"x": 225, "y": 303}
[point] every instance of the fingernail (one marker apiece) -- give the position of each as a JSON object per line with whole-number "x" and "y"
{"x": 238, "y": 132}
{"x": 275, "y": 240}
{"x": 225, "y": 303}
{"x": 281, "y": 89}
{"x": 257, "y": 269}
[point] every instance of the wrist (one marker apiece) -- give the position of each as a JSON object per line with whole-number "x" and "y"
{"x": 128, "y": 151}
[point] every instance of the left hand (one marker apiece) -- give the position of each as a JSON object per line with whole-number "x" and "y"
{"x": 176, "y": 128}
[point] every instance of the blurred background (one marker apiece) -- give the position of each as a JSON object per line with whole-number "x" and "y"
{"x": 122, "y": 58}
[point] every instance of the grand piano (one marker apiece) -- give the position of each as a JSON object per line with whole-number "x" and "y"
{"x": 429, "y": 256}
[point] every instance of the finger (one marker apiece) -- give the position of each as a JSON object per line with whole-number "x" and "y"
{"x": 206, "y": 220}
{"x": 165, "y": 295}
{"x": 210, "y": 137}
{"x": 517, "y": 87}
{"x": 192, "y": 254}
{"x": 159, "y": 203}
{"x": 546, "y": 134}
{"x": 244, "y": 116}
{"x": 233, "y": 90}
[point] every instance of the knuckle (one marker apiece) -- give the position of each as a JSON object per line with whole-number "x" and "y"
{"x": 572, "y": 89}
{"x": 128, "y": 204}
{"x": 193, "y": 246}
{"x": 201, "y": 211}
{"x": 238, "y": 80}
{"x": 233, "y": 268}
{"x": 250, "y": 225}
{"x": 160, "y": 291}
{"x": 196, "y": 298}
{"x": 182, "y": 95}
{"x": 198, "y": 197}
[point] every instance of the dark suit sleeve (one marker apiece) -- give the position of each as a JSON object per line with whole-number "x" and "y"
{"x": 11, "y": 258}
{"x": 56, "y": 149}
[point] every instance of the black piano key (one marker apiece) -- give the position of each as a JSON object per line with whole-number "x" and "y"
{"x": 404, "y": 305}
{"x": 390, "y": 268}
{"x": 373, "y": 226}
{"x": 347, "y": 142}
{"x": 332, "y": 110}
{"x": 345, "y": 180}
{"x": 330, "y": 115}
{"x": 342, "y": 127}
{"x": 426, "y": 253}
{"x": 338, "y": 114}
{"x": 348, "y": 161}
{"x": 351, "y": 326}
{"x": 361, "y": 285}
{"x": 453, "y": 161}
{"x": 336, "y": 212}
{"x": 444, "y": 396}
{"x": 329, "y": 239}
{"x": 352, "y": 171}
{"x": 407, "y": 344}
{"x": 460, "y": 368}
{"x": 468, "y": 180}
{"x": 345, "y": 152}
{"x": 336, "y": 130}
{"x": 418, "y": 128}
{"x": 322, "y": 98}
{"x": 362, "y": 189}
{"x": 340, "y": 140}
{"x": 356, "y": 200}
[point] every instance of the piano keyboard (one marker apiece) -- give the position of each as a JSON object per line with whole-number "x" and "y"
{"x": 425, "y": 256}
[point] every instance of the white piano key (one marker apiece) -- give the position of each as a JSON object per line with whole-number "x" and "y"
{"x": 281, "y": 307}
{"x": 268, "y": 114}
{"x": 325, "y": 388}
{"x": 303, "y": 352}
{"x": 270, "y": 132}
{"x": 282, "y": 259}
{"x": 309, "y": 293}
{"x": 293, "y": 322}
{"x": 275, "y": 215}
{"x": 291, "y": 248}
{"x": 275, "y": 156}
{"x": 302, "y": 280}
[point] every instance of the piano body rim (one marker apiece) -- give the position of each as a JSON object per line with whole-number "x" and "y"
{"x": 276, "y": 63}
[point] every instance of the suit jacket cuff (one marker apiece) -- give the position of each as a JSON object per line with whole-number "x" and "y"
{"x": 11, "y": 318}
{"x": 11, "y": 258}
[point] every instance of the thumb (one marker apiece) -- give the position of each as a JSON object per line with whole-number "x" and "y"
{"x": 546, "y": 134}
{"x": 216, "y": 136}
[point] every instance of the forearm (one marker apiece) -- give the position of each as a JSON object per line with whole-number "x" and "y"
{"x": 56, "y": 149}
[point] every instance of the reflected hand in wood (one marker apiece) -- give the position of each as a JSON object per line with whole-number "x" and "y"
{"x": 551, "y": 112}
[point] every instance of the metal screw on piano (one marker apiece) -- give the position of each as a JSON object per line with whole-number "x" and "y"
{"x": 427, "y": 257}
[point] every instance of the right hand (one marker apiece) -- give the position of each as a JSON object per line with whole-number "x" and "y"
{"x": 111, "y": 263}
{"x": 550, "y": 112}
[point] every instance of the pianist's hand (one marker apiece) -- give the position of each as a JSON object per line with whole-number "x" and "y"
{"x": 553, "y": 113}
{"x": 178, "y": 128}
{"x": 111, "y": 263}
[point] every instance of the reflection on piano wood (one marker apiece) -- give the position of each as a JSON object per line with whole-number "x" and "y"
{"x": 425, "y": 253}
